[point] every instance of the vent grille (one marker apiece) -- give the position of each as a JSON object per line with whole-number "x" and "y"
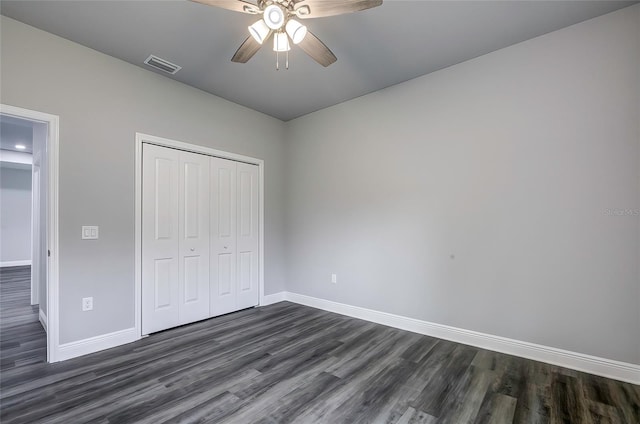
{"x": 162, "y": 65}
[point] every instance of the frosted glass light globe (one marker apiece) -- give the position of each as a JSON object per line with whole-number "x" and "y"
{"x": 274, "y": 16}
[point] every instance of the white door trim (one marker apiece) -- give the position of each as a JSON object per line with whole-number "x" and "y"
{"x": 36, "y": 209}
{"x": 159, "y": 141}
{"x": 53, "y": 317}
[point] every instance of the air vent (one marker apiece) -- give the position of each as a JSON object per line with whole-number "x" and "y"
{"x": 162, "y": 65}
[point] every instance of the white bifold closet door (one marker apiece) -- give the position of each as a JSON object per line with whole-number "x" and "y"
{"x": 234, "y": 236}
{"x": 175, "y": 238}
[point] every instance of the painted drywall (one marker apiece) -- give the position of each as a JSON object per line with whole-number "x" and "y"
{"x": 15, "y": 214}
{"x": 39, "y": 245}
{"x": 16, "y": 158}
{"x": 102, "y": 102}
{"x": 499, "y": 195}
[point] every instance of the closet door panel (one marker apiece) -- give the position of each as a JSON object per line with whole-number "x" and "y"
{"x": 223, "y": 237}
{"x": 161, "y": 284}
{"x": 225, "y": 274}
{"x": 160, "y": 239}
{"x": 247, "y": 242}
{"x": 194, "y": 201}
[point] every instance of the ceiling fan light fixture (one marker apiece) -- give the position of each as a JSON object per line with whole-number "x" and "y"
{"x": 274, "y": 16}
{"x": 259, "y": 31}
{"x": 281, "y": 42}
{"x": 296, "y": 31}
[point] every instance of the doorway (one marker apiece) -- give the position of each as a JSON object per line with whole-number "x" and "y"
{"x": 34, "y": 279}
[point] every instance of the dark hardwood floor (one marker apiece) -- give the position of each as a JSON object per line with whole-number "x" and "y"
{"x": 23, "y": 341}
{"x": 289, "y": 363}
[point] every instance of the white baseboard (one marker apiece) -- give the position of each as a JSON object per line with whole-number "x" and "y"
{"x": 43, "y": 319}
{"x": 270, "y": 299}
{"x": 95, "y": 344}
{"x": 591, "y": 364}
{"x": 15, "y": 263}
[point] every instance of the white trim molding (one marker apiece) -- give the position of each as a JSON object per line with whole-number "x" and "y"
{"x": 22, "y": 160}
{"x": 15, "y": 263}
{"x": 97, "y": 343}
{"x": 270, "y": 299}
{"x": 53, "y": 141}
{"x": 43, "y": 319}
{"x": 616, "y": 370}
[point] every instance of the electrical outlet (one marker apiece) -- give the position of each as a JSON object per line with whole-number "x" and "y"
{"x": 334, "y": 278}
{"x": 87, "y": 303}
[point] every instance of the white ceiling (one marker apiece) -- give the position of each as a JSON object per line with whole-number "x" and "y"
{"x": 376, "y": 48}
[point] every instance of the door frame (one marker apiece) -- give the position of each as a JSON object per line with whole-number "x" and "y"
{"x": 188, "y": 147}
{"x": 52, "y": 143}
{"x": 35, "y": 229}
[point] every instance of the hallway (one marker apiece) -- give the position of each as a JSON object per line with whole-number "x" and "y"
{"x": 22, "y": 338}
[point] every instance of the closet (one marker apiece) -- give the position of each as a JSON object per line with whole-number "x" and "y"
{"x": 199, "y": 237}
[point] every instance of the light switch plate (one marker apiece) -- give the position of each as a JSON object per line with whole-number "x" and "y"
{"x": 89, "y": 232}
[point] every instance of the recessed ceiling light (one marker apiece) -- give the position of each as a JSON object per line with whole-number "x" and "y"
{"x": 20, "y": 146}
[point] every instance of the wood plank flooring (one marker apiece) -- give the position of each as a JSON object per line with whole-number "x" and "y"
{"x": 22, "y": 338}
{"x": 289, "y": 363}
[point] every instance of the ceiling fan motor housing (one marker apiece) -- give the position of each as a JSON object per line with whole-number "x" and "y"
{"x": 274, "y": 16}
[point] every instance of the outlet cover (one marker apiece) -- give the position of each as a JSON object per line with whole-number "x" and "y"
{"x": 334, "y": 278}
{"x": 87, "y": 303}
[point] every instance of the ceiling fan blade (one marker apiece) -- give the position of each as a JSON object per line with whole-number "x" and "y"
{"x": 307, "y": 9}
{"x": 317, "y": 50}
{"x": 246, "y": 51}
{"x": 235, "y": 5}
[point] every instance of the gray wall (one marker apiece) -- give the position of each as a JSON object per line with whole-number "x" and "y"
{"x": 478, "y": 196}
{"x": 102, "y": 102}
{"x": 509, "y": 162}
{"x": 15, "y": 214}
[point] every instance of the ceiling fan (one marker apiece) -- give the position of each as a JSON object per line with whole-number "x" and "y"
{"x": 278, "y": 20}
